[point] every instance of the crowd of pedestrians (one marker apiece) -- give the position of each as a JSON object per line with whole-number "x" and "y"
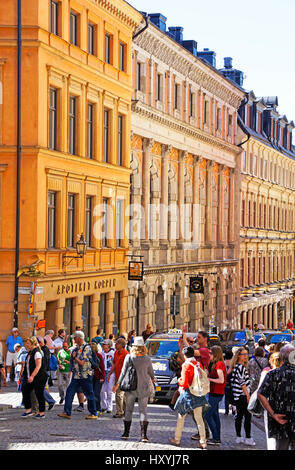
{"x": 120, "y": 367}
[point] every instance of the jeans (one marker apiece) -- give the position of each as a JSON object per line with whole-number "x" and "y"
{"x": 48, "y": 397}
{"x": 97, "y": 384}
{"x": 212, "y": 416}
{"x": 87, "y": 388}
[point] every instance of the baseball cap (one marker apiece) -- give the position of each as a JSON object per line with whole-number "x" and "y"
{"x": 108, "y": 342}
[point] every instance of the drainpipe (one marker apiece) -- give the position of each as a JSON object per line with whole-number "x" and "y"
{"x": 146, "y": 18}
{"x": 18, "y": 165}
{"x": 241, "y": 123}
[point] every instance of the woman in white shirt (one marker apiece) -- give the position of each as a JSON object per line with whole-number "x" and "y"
{"x": 35, "y": 378}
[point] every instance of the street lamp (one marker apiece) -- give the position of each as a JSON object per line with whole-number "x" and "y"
{"x": 81, "y": 248}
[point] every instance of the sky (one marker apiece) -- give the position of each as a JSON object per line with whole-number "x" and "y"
{"x": 258, "y": 34}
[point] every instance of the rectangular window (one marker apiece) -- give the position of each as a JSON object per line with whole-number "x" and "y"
{"x": 54, "y": 17}
{"x": 72, "y": 125}
{"x": 74, "y": 28}
{"x": 120, "y": 222}
{"x": 138, "y": 76}
{"x": 117, "y": 313}
{"x": 68, "y": 316}
{"x": 52, "y": 119}
{"x": 255, "y": 165}
{"x": 230, "y": 125}
{"x": 86, "y": 316}
{"x": 106, "y": 135}
{"x": 90, "y": 129}
{"x": 176, "y": 96}
{"x": 104, "y": 228}
{"x": 206, "y": 112}
{"x": 102, "y": 306}
{"x": 159, "y": 87}
{"x": 120, "y": 139}
{"x": 91, "y": 37}
{"x": 218, "y": 119}
{"x": 122, "y": 53}
{"x": 88, "y": 221}
{"x": 71, "y": 221}
{"x": 108, "y": 41}
{"x": 244, "y": 161}
{"x": 51, "y": 231}
{"x": 192, "y": 102}
{"x": 242, "y": 273}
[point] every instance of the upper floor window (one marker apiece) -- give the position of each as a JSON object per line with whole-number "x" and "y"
{"x": 91, "y": 38}
{"x": 72, "y": 125}
{"x": 206, "y": 112}
{"x": 139, "y": 74}
{"x": 230, "y": 125}
{"x": 159, "y": 87}
{"x": 244, "y": 161}
{"x": 122, "y": 57}
{"x": 255, "y": 165}
{"x": 54, "y": 17}
{"x": 120, "y": 222}
{"x": 88, "y": 221}
{"x": 71, "y": 221}
{"x": 90, "y": 130}
{"x": 52, "y": 144}
{"x": 51, "y": 223}
{"x": 74, "y": 28}
{"x": 192, "y": 104}
{"x": 120, "y": 139}
{"x": 218, "y": 119}
{"x": 106, "y": 135}
{"x": 177, "y": 96}
{"x": 108, "y": 51}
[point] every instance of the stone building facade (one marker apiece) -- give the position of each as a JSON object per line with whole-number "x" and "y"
{"x": 184, "y": 185}
{"x": 267, "y": 276}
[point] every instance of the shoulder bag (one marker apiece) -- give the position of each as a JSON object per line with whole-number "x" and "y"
{"x": 129, "y": 382}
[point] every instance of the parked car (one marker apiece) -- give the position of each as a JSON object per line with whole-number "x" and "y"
{"x": 232, "y": 338}
{"x": 161, "y": 346}
{"x": 264, "y": 333}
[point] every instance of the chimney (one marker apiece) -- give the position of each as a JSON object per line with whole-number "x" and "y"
{"x": 232, "y": 74}
{"x": 176, "y": 33}
{"x": 191, "y": 46}
{"x": 158, "y": 20}
{"x": 228, "y": 63}
{"x": 208, "y": 56}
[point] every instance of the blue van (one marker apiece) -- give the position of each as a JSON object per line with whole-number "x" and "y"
{"x": 161, "y": 346}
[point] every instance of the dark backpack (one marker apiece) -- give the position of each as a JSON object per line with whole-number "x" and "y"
{"x": 129, "y": 381}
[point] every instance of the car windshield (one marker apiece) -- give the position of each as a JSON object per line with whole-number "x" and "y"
{"x": 237, "y": 336}
{"x": 162, "y": 349}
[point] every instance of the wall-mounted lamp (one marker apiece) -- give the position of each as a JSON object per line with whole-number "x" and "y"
{"x": 81, "y": 248}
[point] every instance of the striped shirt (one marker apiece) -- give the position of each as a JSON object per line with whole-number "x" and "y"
{"x": 239, "y": 378}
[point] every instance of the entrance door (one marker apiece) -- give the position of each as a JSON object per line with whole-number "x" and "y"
{"x": 68, "y": 317}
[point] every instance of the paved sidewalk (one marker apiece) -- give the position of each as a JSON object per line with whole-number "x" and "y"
{"x": 60, "y": 434}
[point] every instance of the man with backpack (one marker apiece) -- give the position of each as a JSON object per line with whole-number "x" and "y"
{"x": 83, "y": 363}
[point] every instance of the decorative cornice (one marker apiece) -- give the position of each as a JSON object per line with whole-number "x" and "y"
{"x": 125, "y": 12}
{"x": 148, "y": 112}
{"x": 182, "y": 61}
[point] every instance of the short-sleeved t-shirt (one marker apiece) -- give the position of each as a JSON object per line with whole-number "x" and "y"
{"x": 12, "y": 341}
{"x": 64, "y": 356}
{"x": 118, "y": 361}
{"x": 204, "y": 357}
{"x": 217, "y": 389}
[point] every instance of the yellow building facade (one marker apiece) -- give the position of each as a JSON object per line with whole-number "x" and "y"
{"x": 75, "y": 169}
{"x": 267, "y": 276}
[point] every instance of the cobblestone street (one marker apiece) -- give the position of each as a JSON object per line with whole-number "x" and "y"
{"x": 104, "y": 434}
